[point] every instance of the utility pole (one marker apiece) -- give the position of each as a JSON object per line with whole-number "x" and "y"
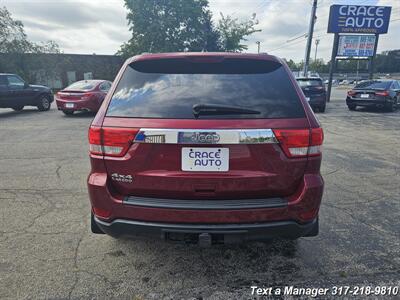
{"x": 332, "y": 66}
{"x": 316, "y": 49}
{"x": 358, "y": 67}
{"x": 258, "y": 46}
{"x": 310, "y": 36}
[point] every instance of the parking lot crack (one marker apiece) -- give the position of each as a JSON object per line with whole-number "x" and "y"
{"x": 75, "y": 266}
{"x": 58, "y": 172}
{"x": 357, "y": 219}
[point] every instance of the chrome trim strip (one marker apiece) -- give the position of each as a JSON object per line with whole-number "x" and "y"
{"x": 205, "y": 136}
{"x": 205, "y": 204}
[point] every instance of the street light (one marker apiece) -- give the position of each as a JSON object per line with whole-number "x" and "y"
{"x": 316, "y": 49}
{"x": 258, "y": 46}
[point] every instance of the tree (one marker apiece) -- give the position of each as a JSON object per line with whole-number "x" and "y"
{"x": 12, "y": 35}
{"x": 14, "y": 40}
{"x": 167, "y": 26}
{"x": 291, "y": 64}
{"x": 181, "y": 25}
{"x": 233, "y": 32}
{"x": 388, "y": 62}
{"x": 319, "y": 66}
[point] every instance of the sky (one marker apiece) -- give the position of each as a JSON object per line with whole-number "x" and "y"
{"x": 100, "y": 26}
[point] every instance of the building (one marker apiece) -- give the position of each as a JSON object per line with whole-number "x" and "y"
{"x": 59, "y": 70}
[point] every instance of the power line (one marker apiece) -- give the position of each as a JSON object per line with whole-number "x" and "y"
{"x": 294, "y": 39}
{"x": 295, "y": 43}
{"x": 286, "y": 45}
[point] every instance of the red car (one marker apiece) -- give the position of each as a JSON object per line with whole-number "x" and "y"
{"x": 85, "y": 95}
{"x": 205, "y": 147}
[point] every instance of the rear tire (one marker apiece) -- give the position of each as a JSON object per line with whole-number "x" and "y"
{"x": 315, "y": 230}
{"x": 93, "y": 225}
{"x": 68, "y": 112}
{"x": 44, "y": 103}
{"x": 352, "y": 106}
{"x": 322, "y": 108}
{"x": 18, "y": 108}
{"x": 390, "y": 107}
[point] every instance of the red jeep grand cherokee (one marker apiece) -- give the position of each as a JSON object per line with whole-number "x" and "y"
{"x": 207, "y": 147}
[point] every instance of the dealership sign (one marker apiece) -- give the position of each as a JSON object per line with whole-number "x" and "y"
{"x": 356, "y": 45}
{"x": 359, "y": 19}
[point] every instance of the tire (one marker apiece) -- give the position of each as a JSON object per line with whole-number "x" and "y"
{"x": 390, "y": 107}
{"x": 315, "y": 230}
{"x": 44, "y": 103}
{"x": 18, "y": 108}
{"x": 93, "y": 225}
{"x": 352, "y": 106}
{"x": 396, "y": 104}
{"x": 68, "y": 112}
{"x": 322, "y": 108}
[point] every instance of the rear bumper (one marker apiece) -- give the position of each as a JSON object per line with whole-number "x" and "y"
{"x": 317, "y": 100}
{"x": 374, "y": 102}
{"x": 79, "y": 105}
{"x": 269, "y": 217}
{"x": 217, "y": 233}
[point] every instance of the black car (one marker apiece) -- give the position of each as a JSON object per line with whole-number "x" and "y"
{"x": 314, "y": 90}
{"x": 377, "y": 93}
{"x": 15, "y": 93}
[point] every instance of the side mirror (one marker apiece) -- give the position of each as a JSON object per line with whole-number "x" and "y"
{"x": 26, "y": 85}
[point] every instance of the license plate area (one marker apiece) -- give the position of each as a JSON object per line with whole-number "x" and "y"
{"x": 364, "y": 95}
{"x": 203, "y": 159}
{"x": 69, "y": 105}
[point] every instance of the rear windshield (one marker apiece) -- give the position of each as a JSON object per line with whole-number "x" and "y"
{"x": 373, "y": 84}
{"x": 167, "y": 90}
{"x": 81, "y": 85}
{"x": 309, "y": 82}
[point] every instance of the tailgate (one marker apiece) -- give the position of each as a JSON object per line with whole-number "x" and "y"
{"x": 159, "y": 162}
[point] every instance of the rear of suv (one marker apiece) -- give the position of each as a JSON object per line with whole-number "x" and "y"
{"x": 207, "y": 147}
{"x": 314, "y": 90}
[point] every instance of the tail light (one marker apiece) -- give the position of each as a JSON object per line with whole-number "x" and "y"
{"x": 383, "y": 93}
{"x": 351, "y": 93}
{"x": 300, "y": 142}
{"x": 111, "y": 141}
{"x": 87, "y": 96}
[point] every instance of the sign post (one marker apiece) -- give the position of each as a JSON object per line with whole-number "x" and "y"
{"x": 371, "y": 62}
{"x": 356, "y": 29}
{"x": 332, "y": 66}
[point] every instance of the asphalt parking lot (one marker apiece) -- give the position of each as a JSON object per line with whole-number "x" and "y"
{"x": 47, "y": 250}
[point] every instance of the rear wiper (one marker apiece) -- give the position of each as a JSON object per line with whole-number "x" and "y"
{"x": 216, "y": 109}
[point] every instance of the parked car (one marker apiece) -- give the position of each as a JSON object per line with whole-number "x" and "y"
{"x": 205, "y": 147}
{"x": 314, "y": 90}
{"x": 85, "y": 95}
{"x": 378, "y": 93}
{"x": 15, "y": 93}
{"x": 334, "y": 82}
